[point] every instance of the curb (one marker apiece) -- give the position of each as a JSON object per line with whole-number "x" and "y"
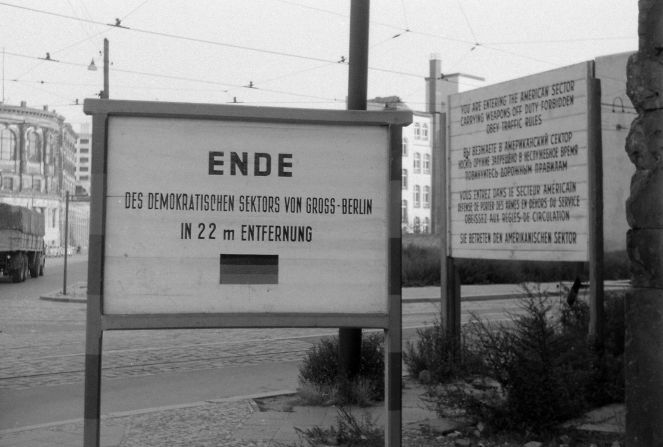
{"x": 129, "y": 413}
{"x": 68, "y": 298}
{"x": 63, "y": 298}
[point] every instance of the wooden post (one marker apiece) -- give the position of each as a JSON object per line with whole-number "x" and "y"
{"x": 449, "y": 280}
{"x": 595, "y": 161}
{"x": 93, "y": 330}
{"x": 349, "y": 339}
{"x": 393, "y": 335}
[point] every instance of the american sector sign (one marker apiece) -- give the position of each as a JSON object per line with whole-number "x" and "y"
{"x": 213, "y": 216}
{"x": 519, "y": 168}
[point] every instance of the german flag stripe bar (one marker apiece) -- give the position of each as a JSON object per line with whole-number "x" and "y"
{"x": 249, "y": 269}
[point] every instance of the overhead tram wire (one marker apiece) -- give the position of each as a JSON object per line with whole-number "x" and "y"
{"x": 579, "y": 39}
{"x": 210, "y": 42}
{"x": 169, "y": 35}
{"x": 487, "y": 45}
{"x": 273, "y": 52}
{"x": 469, "y": 25}
{"x": 183, "y": 78}
{"x": 78, "y": 42}
{"x": 293, "y": 73}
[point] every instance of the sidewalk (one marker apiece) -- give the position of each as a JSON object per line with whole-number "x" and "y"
{"x": 231, "y": 422}
{"x": 239, "y": 422}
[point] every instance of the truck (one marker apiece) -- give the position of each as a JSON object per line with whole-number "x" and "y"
{"x": 22, "y": 248}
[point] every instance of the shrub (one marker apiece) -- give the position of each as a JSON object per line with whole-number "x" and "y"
{"x": 430, "y": 357}
{"x": 546, "y": 369}
{"x": 319, "y": 371}
{"x": 421, "y": 267}
{"x": 351, "y": 431}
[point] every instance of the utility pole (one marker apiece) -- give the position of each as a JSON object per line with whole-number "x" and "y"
{"x": 104, "y": 92}
{"x": 350, "y": 338}
{"x": 3, "y": 75}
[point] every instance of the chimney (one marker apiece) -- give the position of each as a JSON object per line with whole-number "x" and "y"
{"x": 45, "y": 108}
{"x": 24, "y": 104}
{"x": 433, "y": 97}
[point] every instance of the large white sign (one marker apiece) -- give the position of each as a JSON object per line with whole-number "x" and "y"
{"x": 518, "y": 168}
{"x": 207, "y": 216}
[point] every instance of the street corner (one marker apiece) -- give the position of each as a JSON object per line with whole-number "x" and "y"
{"x": 76, "y": 293}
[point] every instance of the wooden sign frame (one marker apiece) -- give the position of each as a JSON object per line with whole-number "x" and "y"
{"x": 98, "y": 321}
{"x": 539, "y": 116}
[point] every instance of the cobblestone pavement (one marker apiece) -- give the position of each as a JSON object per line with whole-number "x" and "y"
{"x": 43, "y": 343}
{"x": 132, "y": 354}
{"x": 204, "y": 424}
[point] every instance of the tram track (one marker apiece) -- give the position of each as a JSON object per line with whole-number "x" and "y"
{"x": 151, "y": 352}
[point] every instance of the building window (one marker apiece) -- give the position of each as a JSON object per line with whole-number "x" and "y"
{"x": 34, "y": 147}
{"x": 417, "y": 225}
{"x": 426, "y": 196}
{"x": 36, "y": 184}
{"x": 424, "y": 131}
{"x": 85, "y": 159}
{"x": 417, "y": 131}
{"x": 8, "y": 183}
{"x": 416, "y": 163}
{"x": 425, "y": 228}
{"x": 84, "y": 169}
{"x": 7, "y": 145}
{"x": 404, "y": 147}
{"x": 84, "y": 150}
{"x": 426, "y": 163}
{"x": 404, "y": 211}
{"x": 417, "y": 196}
{"x": 53, "y": 217}
{"x": 84, "y": 141}
{"x": 84, "y": 178}
{"x": 404, "y": 179}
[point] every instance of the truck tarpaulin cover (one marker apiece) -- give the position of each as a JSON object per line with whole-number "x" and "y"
{"x": 22, "y": 219}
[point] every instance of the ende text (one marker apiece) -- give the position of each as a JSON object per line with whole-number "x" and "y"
{"x": 239, "y": 164}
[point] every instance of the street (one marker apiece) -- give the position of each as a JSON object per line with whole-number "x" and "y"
{"x": 42, "y": 344}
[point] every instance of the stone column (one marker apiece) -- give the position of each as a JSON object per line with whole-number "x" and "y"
{"x": 644, "y": 212}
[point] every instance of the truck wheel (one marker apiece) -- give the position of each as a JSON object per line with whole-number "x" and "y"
{"x": 41, "y": 267}
{"x": 26, "y": 267}
{"x": 16, "y": 274}
{"x": 25, "y": 272}
{"x": 34, "y": 266}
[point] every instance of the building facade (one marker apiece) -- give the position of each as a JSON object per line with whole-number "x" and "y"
{"x": 421, "y": 141}
{"x": 417, "y": 175}
{"x": 37, "y": 164}
{"x": 83, "y": 159}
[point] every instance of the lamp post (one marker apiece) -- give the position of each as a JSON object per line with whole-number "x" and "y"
{"x": 66, "y": 242}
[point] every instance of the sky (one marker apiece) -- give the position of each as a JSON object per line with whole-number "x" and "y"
{"x": 288, "y": 53}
